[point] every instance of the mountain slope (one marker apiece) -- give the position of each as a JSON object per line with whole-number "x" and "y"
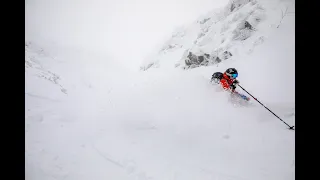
{"x": 227, "y": 33}
{"x": 166, "y": 122}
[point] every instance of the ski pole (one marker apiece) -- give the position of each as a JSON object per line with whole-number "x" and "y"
{"x": 290, "y": 127}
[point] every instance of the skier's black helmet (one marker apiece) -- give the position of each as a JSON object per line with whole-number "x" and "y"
{"x": 232, "y": 73}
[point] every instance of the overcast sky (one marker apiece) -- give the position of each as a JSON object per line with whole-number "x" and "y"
{"x": 124, "y": 29}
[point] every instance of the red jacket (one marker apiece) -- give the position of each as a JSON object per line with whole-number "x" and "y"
{"x": 226, "y": 82}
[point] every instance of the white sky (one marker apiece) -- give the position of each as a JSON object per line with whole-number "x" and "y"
{"x": 125, "y": 29}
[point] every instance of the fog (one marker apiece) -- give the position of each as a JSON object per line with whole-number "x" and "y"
{"x": 126, "y": 30}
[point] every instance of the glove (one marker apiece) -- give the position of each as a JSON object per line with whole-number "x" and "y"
{"x": 234, "y": 84}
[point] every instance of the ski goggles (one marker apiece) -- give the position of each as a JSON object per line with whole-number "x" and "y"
{"x": 234, "y": 75}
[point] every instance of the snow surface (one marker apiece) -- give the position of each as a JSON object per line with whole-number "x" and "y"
{"x": 91, "y": 119}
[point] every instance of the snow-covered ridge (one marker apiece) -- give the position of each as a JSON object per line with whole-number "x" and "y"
{"x": 34, "y": 68}
{"x": 222, "y": 34}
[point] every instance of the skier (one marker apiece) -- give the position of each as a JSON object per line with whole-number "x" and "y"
{"x": 228, "y": 80}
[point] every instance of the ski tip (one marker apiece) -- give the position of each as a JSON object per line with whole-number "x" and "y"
{"x": 291, "y": 127}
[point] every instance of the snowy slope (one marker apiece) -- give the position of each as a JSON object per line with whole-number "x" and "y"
{"x": 100, "y": 121}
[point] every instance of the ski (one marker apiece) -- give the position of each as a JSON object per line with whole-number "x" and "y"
{"x": 242, "y": 96}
